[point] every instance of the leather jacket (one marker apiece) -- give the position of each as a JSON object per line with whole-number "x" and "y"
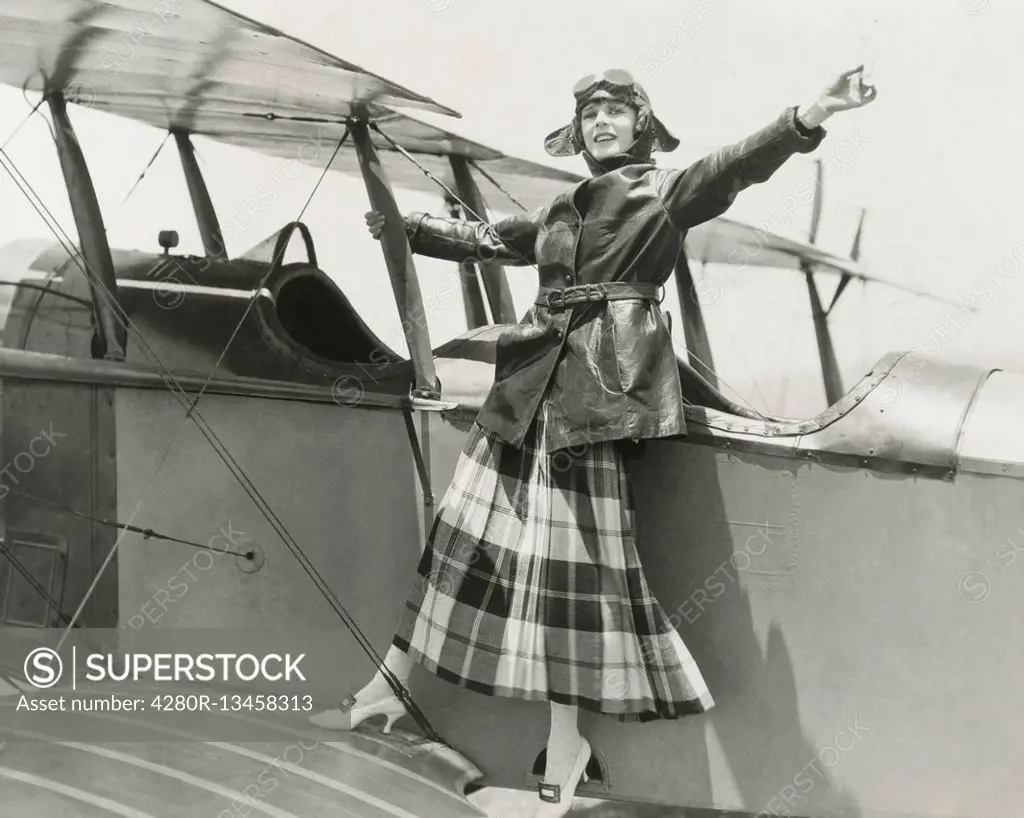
{"x": 605, "y": 368}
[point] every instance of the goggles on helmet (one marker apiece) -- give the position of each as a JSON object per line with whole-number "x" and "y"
{"x": 615, "y": 76}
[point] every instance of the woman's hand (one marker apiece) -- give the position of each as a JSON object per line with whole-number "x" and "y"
{"x": 848, "y": 91}
{"x": 375, "y": 223}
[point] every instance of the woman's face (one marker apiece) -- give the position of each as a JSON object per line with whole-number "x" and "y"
{"x": 607, "y": 127}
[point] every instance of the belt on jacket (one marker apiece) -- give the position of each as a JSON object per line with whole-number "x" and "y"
{"x": 557, "y": 299}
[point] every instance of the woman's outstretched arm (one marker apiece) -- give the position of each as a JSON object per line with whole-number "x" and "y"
{"x": 707, "y": 188}
{"x": 508, "y": 241}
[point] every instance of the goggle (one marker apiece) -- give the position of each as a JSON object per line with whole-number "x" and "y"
{"x": 616, "y": 76}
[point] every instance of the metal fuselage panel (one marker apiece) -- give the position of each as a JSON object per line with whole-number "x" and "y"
{"x": 341, "y": 481}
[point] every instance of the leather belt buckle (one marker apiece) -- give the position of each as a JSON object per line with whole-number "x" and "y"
{"x": 575, "y": 294}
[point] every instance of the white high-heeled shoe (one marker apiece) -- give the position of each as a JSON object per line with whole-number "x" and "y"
{"x": 348, "y": 716}
{"x": 560, "y": 797}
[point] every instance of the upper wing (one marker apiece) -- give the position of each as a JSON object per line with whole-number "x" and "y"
{"x": 195, "y": 66}
{"x": 190, "y": 64}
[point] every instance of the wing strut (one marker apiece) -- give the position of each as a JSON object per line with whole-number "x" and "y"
{"x": 826, "y": 351}
{"x": 202, "y": 204}
{"x": 398, "y": 257}
{"x": 499, "y": 296}
{"x": 111, "y": 338}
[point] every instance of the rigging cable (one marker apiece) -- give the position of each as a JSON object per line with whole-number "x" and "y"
{"x": 147, "y": 533}
{"x": 228, "y": 459}
{"x": 28, "y": 116}
{"x": 494, "y": 182}
{"x": 145, "y": 170}
{"x": 28, "y": 285}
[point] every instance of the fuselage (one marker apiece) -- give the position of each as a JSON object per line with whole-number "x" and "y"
{"x": 818, "y": 569}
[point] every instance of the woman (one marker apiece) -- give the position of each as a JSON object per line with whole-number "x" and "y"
{"x": 530, "y": 585}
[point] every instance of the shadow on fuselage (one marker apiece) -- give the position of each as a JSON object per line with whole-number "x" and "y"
{"x": 755, "y": 744}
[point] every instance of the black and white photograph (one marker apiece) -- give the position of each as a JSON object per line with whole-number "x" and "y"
{"x": 481, "y": 409}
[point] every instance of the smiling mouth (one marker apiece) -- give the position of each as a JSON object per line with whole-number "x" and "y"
{"x": 605, "y": 138}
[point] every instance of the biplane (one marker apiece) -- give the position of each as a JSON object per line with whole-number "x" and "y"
{"x": 205, "y": 447}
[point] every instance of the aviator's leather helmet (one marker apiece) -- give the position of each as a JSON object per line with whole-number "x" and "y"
{"x": 617, "y": 84}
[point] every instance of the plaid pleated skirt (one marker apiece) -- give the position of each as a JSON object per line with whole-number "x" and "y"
{"x": 530, "y": 586}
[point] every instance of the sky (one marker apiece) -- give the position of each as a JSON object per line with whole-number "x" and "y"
{"x": 933, "y": 160}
